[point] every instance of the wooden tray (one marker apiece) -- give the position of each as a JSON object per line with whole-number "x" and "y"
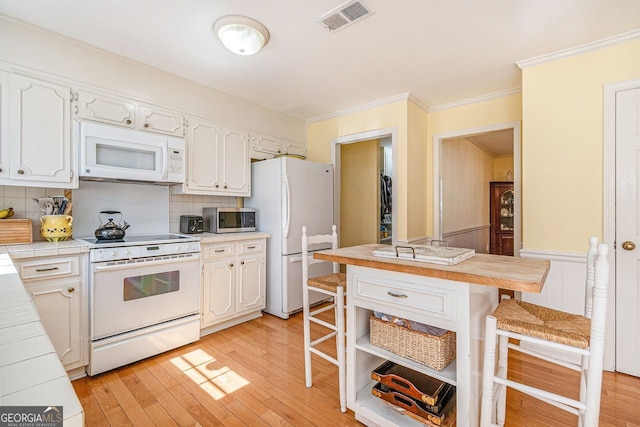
{"x": 417, "y": 409}
{"x": 411, "y": 383}
{"x": 15, "y": 231}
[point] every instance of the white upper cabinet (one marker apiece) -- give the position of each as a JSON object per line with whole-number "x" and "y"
{"x": 203, "y": 152}
{"x": 105, "y": 109}
{"x": 40, "y": 133}
{"x": 4, "y": 125}
{"x": 125, "y": 112}
{"x": 293, "y": 148}
{"x": 154, "y": 119}
{"x": 218, "y": 160}
{"x": 236, "y": 166}
{"x": 267, "y": 146}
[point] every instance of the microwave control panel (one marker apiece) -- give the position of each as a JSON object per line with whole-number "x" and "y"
{"x": 176, "y": 160}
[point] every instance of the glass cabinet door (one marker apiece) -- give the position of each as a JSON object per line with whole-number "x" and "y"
{"x": 506, "y": 210}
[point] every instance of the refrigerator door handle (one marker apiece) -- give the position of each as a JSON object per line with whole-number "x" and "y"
{"x": 285, "y": 181}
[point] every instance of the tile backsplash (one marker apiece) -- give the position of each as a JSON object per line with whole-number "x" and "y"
{"x": 21, "y": 200}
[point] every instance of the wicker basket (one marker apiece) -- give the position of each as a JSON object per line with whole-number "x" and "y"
{"x": 433, "y": 351}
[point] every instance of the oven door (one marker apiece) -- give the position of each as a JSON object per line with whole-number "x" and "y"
{"x": 129, "y": 296}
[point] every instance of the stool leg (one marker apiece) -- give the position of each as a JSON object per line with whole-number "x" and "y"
{"x": 503, "y": 358}
{"x": 341, "y": 351}
{"x": 488, "y": 372}
{"x": 306, "y": 323}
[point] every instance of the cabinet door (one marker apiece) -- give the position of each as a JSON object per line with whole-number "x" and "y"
{"x": 236, "y": 178}
{"x": 295, "y": 148}
{"x": 40, "y": 129}
{"x": 265, "y": 144}
{"x": 203, "y": 157}
{"x": 59, "y": 307}
{"x": 106, "y": 109}
{"x": 251, "y": 283}
{"x": 218, "y": 286}
{"x": 155, "y": 119}
{"x": 4, "y": 125}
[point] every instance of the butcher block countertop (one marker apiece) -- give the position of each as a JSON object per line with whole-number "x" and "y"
{"x": 517, "y": 274}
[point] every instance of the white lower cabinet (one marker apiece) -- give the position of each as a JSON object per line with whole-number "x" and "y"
{"x": 233, "y": 283}
{"x": 57, "y": 286}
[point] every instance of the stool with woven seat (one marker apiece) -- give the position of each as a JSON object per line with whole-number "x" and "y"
{"x": 333, "y": 285}
{"x": 558, "y": 331}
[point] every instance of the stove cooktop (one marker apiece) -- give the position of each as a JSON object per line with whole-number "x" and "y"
{"x": 140, "y": 239}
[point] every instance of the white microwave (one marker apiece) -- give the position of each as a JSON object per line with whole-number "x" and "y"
{"x": 109, "y": 153}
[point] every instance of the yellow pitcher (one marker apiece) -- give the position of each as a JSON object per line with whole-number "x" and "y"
{"x": 56, "y": 228}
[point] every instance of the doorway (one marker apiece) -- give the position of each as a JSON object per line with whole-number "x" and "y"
{"x": 351, "y": 228}
{"x": 508, "y": 135}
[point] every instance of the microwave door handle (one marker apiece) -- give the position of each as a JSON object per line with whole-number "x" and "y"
{"x": 285, "y": 187}
{"x": 165, "y": 162}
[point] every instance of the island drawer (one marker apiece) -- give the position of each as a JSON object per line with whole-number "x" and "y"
{"x": 428, "y": 299}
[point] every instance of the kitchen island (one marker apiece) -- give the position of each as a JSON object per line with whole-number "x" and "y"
{"x": 453, "y": 297}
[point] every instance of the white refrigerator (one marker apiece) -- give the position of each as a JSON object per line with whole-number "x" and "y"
{"x": 289, "y": 193}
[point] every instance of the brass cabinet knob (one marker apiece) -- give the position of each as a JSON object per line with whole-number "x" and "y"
{"x": 128, "y": 121}
{"x": 628, "y": 246}
{"x": 71, "y": 290}
{"x": 20, "y": 172}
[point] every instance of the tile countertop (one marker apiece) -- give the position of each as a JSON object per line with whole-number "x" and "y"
{"x": 39, "y": 249}
{"x": 226, "y": 237}
{"x": 30, "y": 371}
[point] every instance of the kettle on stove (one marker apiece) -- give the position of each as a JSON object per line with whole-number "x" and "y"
{"x": 110, "y": 230}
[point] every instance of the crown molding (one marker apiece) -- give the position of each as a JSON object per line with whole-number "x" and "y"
{"x": 599, "y": 44}
{"x": 475, "y": 100}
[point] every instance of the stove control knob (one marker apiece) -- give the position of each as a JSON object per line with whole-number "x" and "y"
{"x": 113, "y": 253}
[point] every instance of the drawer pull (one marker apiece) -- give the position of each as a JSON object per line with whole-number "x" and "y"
{"x": 393, "y": 294}
{"x": 71, "y": 290}
{"x": 42, "y": 270}
{"x": 251, "y": 247}
{"x": 219, "y": 250}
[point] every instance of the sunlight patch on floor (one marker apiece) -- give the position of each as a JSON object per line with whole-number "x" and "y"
{"x": 204, "y": 370}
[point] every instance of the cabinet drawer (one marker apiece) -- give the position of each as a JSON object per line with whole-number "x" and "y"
{"x": 429, "y": 300}
{"x": 251, "y": 246}
{"x": 217, "y": 250}
{"x": 48, "y": 268}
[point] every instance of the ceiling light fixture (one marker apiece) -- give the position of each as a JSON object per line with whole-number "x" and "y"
{"x": 241, "y": 35}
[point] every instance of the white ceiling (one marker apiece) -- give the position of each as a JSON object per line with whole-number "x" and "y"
{"x": 438, "y": 51}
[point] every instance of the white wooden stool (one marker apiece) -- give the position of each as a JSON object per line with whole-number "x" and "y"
{"x": 555, "y": 330}
{"x": 333, "y": 285}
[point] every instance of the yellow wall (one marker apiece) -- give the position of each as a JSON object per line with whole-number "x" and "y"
{"x": 418, "y": 174}
{"x": 359, "y": 200}
{"x": 501, "y": 167}
{"x": 562, "y": 148}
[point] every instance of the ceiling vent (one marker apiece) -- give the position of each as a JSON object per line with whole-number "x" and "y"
{"x": 343, "y": 15}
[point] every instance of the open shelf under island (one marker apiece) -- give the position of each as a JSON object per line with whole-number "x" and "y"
{"x": 454, "y": 297}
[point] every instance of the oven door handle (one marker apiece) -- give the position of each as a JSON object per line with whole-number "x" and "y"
{"x": 107, "y": 265}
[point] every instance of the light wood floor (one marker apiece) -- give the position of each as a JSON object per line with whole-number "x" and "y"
{"x": 253, "y": 375}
